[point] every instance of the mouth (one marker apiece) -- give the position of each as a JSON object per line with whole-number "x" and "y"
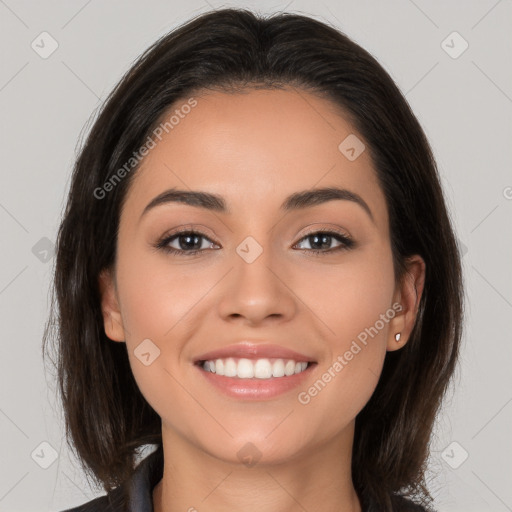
{"x": 262, "y": 368}
{"x": 256, "y": 379}
{"x": 252, "y": 370}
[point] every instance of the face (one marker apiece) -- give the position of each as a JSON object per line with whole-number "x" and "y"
{"x": 314, "y": 277}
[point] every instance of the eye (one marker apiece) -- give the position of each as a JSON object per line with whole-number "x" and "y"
{"x": 188, "y": 242}
{"x": 324, "y": 238}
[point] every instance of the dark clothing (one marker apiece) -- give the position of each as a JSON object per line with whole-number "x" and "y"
{"x": 137, "y": 494}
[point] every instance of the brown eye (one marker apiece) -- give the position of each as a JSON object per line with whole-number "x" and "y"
{"x": 324, "y": 238}
{"x": 188, "y": 242}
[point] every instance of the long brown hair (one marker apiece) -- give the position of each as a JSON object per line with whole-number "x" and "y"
{"x": 107, "y": 418}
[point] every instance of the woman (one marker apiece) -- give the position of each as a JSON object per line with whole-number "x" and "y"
{"x": 256, "y": 272}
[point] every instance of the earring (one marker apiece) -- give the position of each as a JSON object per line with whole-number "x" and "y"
{"x": 397, "y": 337}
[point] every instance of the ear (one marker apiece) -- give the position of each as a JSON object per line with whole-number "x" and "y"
{"x": 408, "y": 295}
{"x": 112, "y": 320}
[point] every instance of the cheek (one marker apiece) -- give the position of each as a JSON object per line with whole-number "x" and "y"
{"x": 159, "y": 303}
{"x": 354, "y": 303}
{"x": 351, "y": 297}
{"x": 154, "y": 301}
{"x": 155, "y": 295}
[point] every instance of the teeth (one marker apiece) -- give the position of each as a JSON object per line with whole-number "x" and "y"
{"x": 289, "y": 368}
{"x": 245, "y": 369}
{"x": 278, "y": 368}
{"x": 263, "y": 369}
{"x": 259, "y": 369}
{"x": 230, "y": 368}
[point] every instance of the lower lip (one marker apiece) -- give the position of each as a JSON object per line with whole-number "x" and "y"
{"x": 256, "y": 389}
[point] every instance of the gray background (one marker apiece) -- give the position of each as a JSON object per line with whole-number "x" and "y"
{"x": 464, "y": 105}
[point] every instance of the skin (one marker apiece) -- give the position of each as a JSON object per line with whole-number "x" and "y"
{"x": 255, "y": 149}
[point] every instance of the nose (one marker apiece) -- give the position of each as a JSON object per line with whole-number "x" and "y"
{"x": 257, "y": 290}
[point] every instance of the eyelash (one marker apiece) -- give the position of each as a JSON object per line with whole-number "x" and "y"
{"x": 162, "y": 244}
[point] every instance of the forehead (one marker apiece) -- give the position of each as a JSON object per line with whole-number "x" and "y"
{"x": 254, "y": 148}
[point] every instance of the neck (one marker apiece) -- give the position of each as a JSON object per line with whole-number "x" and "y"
{"x": 193, "y": 480}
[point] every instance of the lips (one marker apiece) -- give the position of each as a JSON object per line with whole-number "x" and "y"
{"x": 250, "y": 350}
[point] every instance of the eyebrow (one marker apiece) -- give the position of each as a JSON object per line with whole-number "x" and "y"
{"x": 296, "y": 201}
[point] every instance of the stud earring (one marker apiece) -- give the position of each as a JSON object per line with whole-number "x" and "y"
{"x": 397, "y": 336}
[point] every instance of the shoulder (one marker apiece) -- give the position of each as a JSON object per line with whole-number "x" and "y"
{"x": 134, "y": 495}
{"x": 112, "y": 502}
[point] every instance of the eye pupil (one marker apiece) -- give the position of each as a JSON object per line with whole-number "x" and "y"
{"x": 188, "y": 237}
{"x": 325, "y": 239}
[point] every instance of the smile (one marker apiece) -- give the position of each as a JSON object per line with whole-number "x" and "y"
{"x": 255, "y": 379}
{"x": 264, "y": 368}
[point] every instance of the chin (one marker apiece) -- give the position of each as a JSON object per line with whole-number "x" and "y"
{"x": 255, "y": 450}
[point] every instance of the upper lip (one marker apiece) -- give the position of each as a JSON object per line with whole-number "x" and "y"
{"x": 249, "y": 350}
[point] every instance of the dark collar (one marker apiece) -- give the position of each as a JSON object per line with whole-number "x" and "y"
{"x": 146, "y": 476}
